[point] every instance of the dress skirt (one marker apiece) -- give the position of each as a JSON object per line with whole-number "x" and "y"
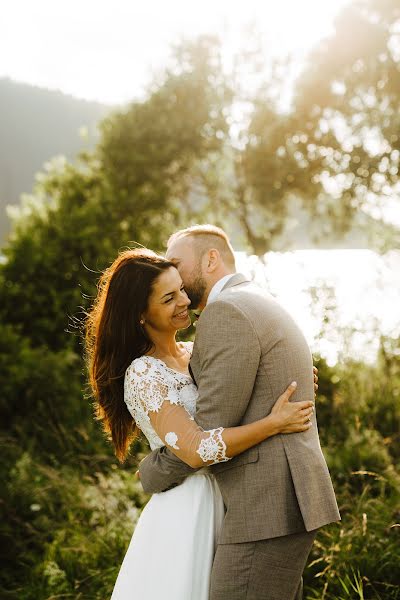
{"x": 172, "y": 549}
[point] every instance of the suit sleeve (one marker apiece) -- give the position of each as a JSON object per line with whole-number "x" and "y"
{"x": 229, "y": 354}
{"x": 161, "y": 470}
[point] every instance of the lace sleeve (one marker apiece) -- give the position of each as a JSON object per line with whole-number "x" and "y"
{"x": 186, "y": 439}
{"x": 153, "y": 390}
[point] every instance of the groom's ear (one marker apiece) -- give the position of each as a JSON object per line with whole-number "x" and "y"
{"x": 213, "y": 259}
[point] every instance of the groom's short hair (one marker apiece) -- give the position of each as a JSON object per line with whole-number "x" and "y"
{"x": 206, "y": 237}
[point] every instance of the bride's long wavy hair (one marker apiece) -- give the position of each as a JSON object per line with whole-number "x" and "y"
{"x": 114, "y": 337}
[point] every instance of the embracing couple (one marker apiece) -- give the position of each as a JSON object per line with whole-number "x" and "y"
{"x": 239, "y": 482}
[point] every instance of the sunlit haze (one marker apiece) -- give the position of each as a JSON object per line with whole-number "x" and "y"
{"x": 357, "y": 292}
{"x": 107, "y": 50}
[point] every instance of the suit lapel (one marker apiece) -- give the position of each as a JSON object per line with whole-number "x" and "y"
{"x": 192, "y": 374}
{"x": 194, "y": 366}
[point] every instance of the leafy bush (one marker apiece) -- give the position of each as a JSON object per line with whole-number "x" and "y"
{"x": 66, "y": 533}
{"x": 358, "y": 414}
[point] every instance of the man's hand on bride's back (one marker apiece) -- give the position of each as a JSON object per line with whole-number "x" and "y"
{"x": 292, "y": 417}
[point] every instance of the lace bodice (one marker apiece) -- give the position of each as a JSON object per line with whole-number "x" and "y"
{"x": 148, "y": 382}
{"x": 162, "y": 402}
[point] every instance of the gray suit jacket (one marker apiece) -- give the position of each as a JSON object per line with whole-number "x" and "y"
{"x": 247, "y": 350}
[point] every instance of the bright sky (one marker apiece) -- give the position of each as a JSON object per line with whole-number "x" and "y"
{"x": 107, "y": 50}
{"x": 365, "y": 287}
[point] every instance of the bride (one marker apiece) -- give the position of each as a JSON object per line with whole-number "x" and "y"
{"x": 140, "y": 381}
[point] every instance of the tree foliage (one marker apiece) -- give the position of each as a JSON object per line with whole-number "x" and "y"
{"x": 179, "y": 156}
{"x": 349, "y": 99}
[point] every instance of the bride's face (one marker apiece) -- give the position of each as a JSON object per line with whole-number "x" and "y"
{"x": 168, "y": 304}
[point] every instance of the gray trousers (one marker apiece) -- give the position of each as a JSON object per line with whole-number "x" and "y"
{"x": 263, "y": 570}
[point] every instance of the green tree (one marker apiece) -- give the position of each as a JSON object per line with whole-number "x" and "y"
{"x": 334, "y": 152}
{"x": 349, "y": 99}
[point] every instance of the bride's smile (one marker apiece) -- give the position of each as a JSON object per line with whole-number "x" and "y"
{"x": 167, "y": 309}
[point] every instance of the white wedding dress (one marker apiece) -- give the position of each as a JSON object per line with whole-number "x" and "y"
{"x": 171, "y": 551}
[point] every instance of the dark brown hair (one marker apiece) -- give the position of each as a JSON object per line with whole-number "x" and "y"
{"x": 114, "y": 338}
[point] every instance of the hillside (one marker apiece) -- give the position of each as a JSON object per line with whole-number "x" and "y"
{"x": 35, "y": 125}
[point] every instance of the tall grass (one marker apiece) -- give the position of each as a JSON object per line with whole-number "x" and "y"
{"x": 68, "y": 510}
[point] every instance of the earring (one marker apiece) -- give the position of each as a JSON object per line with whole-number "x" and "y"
{"x": 141, "y": 322}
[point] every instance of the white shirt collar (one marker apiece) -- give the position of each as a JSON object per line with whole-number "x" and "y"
{"x": 217, "y": 288}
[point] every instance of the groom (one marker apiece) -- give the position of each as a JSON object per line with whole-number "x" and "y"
{"x": 278, "y": 493}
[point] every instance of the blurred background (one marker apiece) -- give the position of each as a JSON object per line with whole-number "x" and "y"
{"x": 120, "y": 123}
